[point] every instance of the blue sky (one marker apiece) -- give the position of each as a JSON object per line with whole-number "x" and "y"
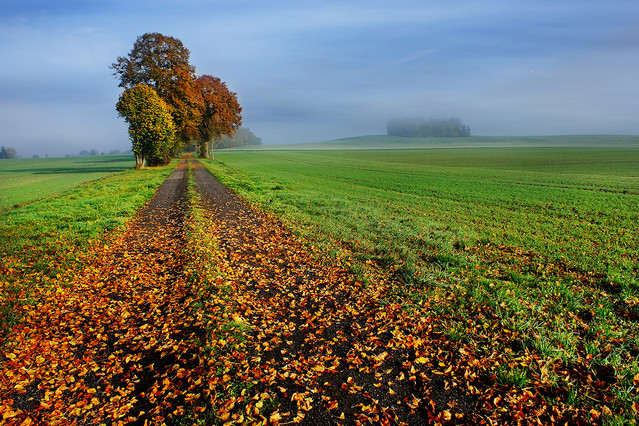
{"x": 318, "y": 70}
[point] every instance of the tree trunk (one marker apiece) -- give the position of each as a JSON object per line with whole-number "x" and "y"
{"x": 140, "y": 161}
{"x": 202, "y": 149}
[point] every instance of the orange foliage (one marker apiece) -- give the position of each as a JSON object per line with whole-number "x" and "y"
{"x": 220, "y": 111}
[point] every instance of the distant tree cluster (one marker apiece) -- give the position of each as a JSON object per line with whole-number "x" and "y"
{"x": 182, "y": 109}
{"x": 242, "y": 137}
{"x": 7, "y": 153}
{"x": 419, "y": 128}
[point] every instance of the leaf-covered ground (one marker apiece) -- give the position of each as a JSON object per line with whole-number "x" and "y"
{"x": 222, "y": 316}
{"x": 113, "y": 344}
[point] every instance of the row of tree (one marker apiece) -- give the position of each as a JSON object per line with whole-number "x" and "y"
{"x": 8, "y": 153}
{"x": 420, "y": 128}
{"x": 167, "y": 106}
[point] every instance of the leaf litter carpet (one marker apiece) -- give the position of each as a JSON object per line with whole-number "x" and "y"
{"x": 268, "y": 335}
{"x": 112, "y": 345}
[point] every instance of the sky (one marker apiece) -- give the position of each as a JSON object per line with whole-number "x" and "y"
{"x": 311, "y": 70}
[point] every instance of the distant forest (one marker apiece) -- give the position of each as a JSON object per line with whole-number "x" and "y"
{"x": 420, "y": 128}
{"x": 242, "y": 137}
{"x": 7, "y": 153}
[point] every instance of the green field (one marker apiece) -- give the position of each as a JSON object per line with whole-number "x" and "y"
{"x": 544, "y": 240}
{"x": 396, "y": 142}
{"x": 574, "y": 206}
{"x": 25, "y": 180}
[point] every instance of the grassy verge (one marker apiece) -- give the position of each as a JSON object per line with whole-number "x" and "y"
{"x": 43, "y": 242}
{"x": 528, "y": 254}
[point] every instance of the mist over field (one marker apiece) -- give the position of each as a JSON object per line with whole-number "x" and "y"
{"x": 317, "y": 71}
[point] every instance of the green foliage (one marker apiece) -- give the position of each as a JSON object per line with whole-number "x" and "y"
{"x": 242, "y": 137}
{"x": 419, "y": 128}
{"x": 151, "y": 127}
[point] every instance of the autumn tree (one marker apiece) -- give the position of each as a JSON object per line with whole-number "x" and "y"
{"x": 162, "y": 62}
{"x": 151, "y": 127}
{"x": 221, "y": 113}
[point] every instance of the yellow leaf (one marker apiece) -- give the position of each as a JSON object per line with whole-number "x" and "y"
{"x": 414, "y": 403}
{"x": 275, "y": 417}
{"x": 9, "y": 414}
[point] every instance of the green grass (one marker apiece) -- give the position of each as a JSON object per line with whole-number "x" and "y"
{"x": 578, "y": 207}
{"x": 543, "y": 239}
{"x": 26, "y": 180}
{"x": 43, "y": 242}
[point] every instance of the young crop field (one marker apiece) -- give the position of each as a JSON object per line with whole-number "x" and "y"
{"x": 397, "y": 142}
{"x": 25, "y": 180}
{"x": 526, "y": 255}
